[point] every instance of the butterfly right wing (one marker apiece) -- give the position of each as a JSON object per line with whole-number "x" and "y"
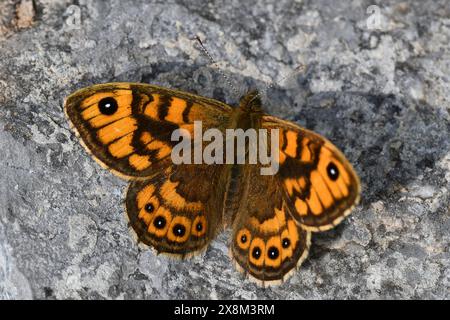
{"x": 128, "y": 126}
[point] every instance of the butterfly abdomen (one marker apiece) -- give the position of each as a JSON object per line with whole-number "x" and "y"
{"x": 232, "y": 194}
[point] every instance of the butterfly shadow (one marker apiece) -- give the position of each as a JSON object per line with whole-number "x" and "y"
{"x": 396, "y": 146}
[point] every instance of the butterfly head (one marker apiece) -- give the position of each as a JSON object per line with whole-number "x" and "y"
{"x": 251, "y": 102}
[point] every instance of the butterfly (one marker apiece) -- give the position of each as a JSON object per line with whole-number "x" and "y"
{"x": 177, "y": 209}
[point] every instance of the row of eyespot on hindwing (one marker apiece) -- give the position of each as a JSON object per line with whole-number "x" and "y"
{"x": 162, "y": 223}
{"x": 272, "y": 252}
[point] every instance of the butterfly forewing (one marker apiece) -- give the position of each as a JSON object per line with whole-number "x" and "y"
{"x": 128, "y": 126}
{"x": 319, "y": 184}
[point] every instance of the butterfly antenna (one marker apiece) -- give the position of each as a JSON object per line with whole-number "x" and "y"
{"x": 298, "y": 69}
{"x": 205, "y": 51}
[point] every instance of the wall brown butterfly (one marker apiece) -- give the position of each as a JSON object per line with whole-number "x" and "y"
{"x": 179, "y": 209}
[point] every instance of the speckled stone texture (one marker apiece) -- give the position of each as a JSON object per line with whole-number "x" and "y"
{"x": 381, "y": 95}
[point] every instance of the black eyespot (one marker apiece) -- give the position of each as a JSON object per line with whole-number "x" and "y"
{"x": 179, "y": 230}
{"x": 149, "y": 207}
{"x": 108, "y": 106}
{"x": 159, "y": 222}
{"x": 332, "y": 171}
{"x": 243, "y": 238}
{"x": 286, "y": 243}
{"x": 256, "y": 253}
{"x": 199, "y": 227}
{"x": 273, "y": 253}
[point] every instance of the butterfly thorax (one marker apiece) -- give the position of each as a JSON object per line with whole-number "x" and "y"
{"x": 251, "y": 102}
{"x": 248, "y": 114}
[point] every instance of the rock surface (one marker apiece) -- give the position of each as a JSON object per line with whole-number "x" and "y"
{"x": 377, "y": 86}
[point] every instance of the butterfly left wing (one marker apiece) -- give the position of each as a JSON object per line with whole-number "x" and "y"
{"x": 267, "y": 244}
{"x": 175, "y": 208}
{"x": 319, "y": 185}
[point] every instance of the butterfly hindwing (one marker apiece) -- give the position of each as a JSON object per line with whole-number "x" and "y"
{"x": 319, "y": 184}
{"x": 266, "y": 241}
{"x": 128, "y": 126}
{"x": 176, "y": 211}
